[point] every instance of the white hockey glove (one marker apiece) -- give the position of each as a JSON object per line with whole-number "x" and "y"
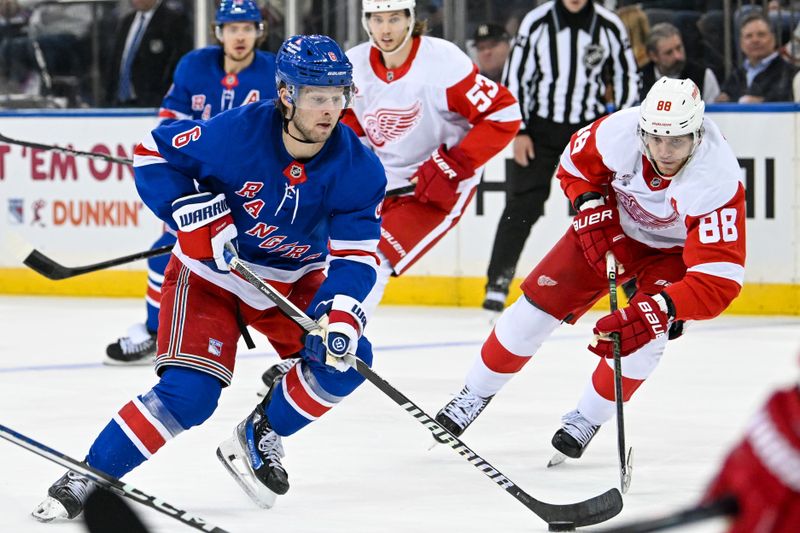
{"x": 205, "y": 225}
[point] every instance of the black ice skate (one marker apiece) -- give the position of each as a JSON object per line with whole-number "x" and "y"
{"x": 275, "y": 372}
{"x": 138, "y": 347}
{"x": 65, "y": 498}
{"x": 461, "y": 411}
{"x": 573, "y": 437}
{"x": 253, "y": 457}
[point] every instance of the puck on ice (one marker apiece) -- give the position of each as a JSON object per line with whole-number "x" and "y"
{"x": 561, "y": 526}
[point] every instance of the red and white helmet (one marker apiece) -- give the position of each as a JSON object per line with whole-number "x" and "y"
{"x": 383, "y": 6}
{"x": 672, "y": 108}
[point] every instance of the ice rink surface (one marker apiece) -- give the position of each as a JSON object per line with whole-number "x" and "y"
{"x": 365, "y": 466}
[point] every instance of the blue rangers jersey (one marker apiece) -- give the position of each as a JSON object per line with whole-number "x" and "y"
{"x": 292, "y": 216}
{"x": 201, "y": 88}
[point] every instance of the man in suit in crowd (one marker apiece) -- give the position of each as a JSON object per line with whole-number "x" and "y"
{"x": 149, "y": 42}
{"x": 668, "y": 58}
{"x": 763, "y": 76}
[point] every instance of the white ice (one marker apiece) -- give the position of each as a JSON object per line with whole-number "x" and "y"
{"x": 364, "y": 467}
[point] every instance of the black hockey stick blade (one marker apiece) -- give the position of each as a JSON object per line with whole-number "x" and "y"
{"x": 105, "y": 512}
{"x": 107, "y": 482}
{"x": 585, "y": 513}
{"x": 725, "y": 506}
{"x": 47, "y": 267}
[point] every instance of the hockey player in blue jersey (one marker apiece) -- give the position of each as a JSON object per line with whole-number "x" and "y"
{"x": 206, "y": 82}
{"x": 294, "y": 191}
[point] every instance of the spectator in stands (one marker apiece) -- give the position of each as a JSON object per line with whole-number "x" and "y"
{"x": 149, "y": 43}
{"x": 764, "y": 76}
{"x": 668, "y": 58}
{"x": 492, "y": 43}
{"x": 635, "y": 21}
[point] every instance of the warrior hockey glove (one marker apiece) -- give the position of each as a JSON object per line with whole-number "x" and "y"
{"x": 340, "y": 326}
{"x": 439, "y": 176}
{"x": 599, "y": 232}
{"x": 205, "y": 225}
{"x": 644, "y": 319}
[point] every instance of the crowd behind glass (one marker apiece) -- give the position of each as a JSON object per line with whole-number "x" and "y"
{"x": 68, "y": 54}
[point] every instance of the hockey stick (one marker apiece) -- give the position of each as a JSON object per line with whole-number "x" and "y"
{"x": 108, "y": 482}
{"x": 726, "y": 506}
{"x": 68, "y": 151}
{"x": 625, "y": 459}
{"x": 51, "y": 269}
{"x": 47, "y": 267}
{"x": 585, "y": 513}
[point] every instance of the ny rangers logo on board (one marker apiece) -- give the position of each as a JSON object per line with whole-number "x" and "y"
{"x": 389, "y": 125}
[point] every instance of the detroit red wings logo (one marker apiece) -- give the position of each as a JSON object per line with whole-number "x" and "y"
{"x": 641, "y": 215}
{"x": 388, "y": 125}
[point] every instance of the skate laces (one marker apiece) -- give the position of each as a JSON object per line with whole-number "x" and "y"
{"x": 75, "y": 485}
{"x": 271, "y": 448}
{"x": 129, "y": 346}
{"x": 465, "y": 407}
{"x": 578, "y": 427}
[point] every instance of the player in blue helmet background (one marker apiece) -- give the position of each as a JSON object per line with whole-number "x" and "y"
{"x": 295, "y": 192}
{"x": 206, "y": 82}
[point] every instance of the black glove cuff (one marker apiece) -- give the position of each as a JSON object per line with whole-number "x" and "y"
{"x": 670, "y": 304}
{"x": 585, "y": 197}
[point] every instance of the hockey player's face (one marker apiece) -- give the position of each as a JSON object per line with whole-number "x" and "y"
{"x": 389, "y": 29}
{"x": 317, "y": 111}
{"x": 669, "y": 153}
{"x": 239, "y": 39}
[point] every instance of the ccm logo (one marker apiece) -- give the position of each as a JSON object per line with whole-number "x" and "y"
{"x": 591, "y": 220}
{"x": 443, "y": 165}
{"x": 652, "y": 318}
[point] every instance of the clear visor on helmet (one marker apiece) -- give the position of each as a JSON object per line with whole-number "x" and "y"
{"x": 678, "y": 146}
{"x": 318, "y": 98}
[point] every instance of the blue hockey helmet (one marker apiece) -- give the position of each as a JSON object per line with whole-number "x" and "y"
{"x": 313, "y": 60}
{"x": 237, "y": 11}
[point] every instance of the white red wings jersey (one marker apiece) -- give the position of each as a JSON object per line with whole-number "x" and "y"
{"x": 701, "y": 209}
{"x": 436, "y": 97}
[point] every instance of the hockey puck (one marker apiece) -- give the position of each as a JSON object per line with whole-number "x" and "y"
{"x": 561, "y": 526}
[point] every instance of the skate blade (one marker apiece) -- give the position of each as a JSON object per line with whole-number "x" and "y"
{"x": 233, "y": 458}
{"x": 50, "y": 509}
{"x": 557, "y": 459}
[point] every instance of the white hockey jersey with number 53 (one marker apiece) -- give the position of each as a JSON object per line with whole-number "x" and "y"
{"x": 701, "y": 210}
{"x": 436, "y": 97}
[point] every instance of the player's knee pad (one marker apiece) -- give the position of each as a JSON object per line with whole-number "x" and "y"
{"x": 341, "y": 384}
{"x": 523, "y": 327}
{"x": 189, "y": 395}
{"x": 641, "y": 363}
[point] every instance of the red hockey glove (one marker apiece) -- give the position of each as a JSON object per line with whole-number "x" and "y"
{"x": 439, "y": 176}
{"x": 761, "y": 472}
{"x": 205, "y": 226}
{"x": 637, "y": 324}
{"x": 600, "y": 232}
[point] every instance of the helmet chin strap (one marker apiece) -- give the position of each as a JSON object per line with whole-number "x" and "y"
{"x": 697, "y": 137}
{"x": 286, "y": 121}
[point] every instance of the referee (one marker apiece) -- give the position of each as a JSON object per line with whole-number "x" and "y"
{"x": 567, "y": 55}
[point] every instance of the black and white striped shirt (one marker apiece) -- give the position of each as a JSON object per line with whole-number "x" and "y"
{"x": 555, "y": 69}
